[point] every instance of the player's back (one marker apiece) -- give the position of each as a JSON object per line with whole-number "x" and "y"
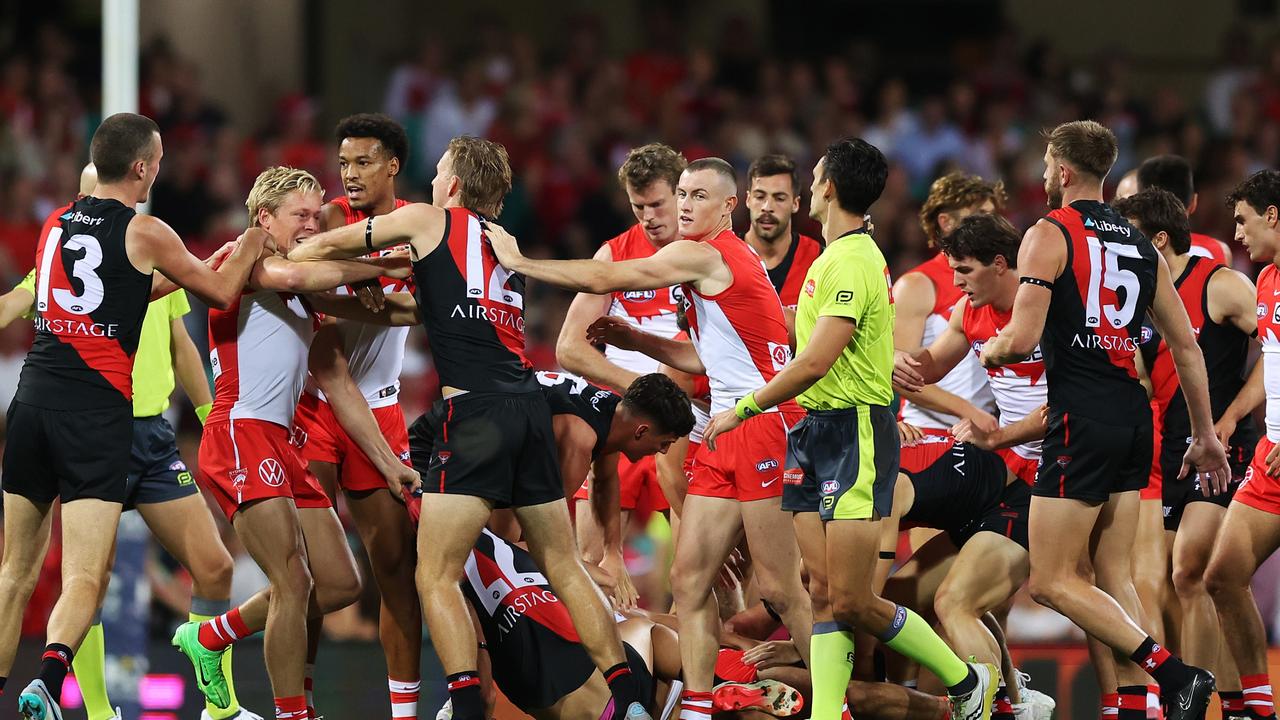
{"x": 653, "y": 311}
{"x": 569, "y": 394}
{"x": 473, "y": 311}
{"x": 967, "y": 379}
{"x": 1095, "y": 316}
{"x": 90, "y": 303}
{"x": 740, "y": 333}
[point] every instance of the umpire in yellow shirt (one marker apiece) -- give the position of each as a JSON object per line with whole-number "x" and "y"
{"x": 843, "y": 456}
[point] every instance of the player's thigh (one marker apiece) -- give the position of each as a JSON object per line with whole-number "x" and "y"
{"x": 1115, "y": 536}
{"x": 27, "y": 526}
{"x": 185, "y": 529}
{"x": 709, "y": 529}
{"x": 916, "y": 583}
{"x": 1059, "y": 530}
{"x": 447, "y": 530}
{"x": 270, "y": 531}
{"x": 1247, "y": 538}
{"x": 384, "y": 527}
{"x": 771, "y": 539}
{"x": 986, "y": 572}
{"x": 332, "y": 564}
{"x": 88, "y": 529}
{"x": 1149, "y": 551}
{"x": 1194, "y": 542}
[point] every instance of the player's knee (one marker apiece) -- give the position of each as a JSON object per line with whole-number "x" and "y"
{"x": 1048, "y": 590}
{"x": 84, "y": 584}
{"x": 855, "y": 608}
{"x": 293, "y": 580}
{"x": 211, "y": 576}
{"x": 952, "y": 603}
{"x": 1189, "y": 579}
{"x": 1222, "y": 581}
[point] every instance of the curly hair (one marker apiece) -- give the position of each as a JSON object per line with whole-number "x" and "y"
{"x": 386, "y": 131}
{"x": 658, "y": 398}
{"x": 650, "y": 163}
{"x": 1261, "y": 190}
{"x": 954, "y": 192}
{"x": 1157, "y": 210}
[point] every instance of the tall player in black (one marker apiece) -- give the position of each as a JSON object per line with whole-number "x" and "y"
{"x": 71, "y": 421}
{"x": 1221, "y": 305}
{"x": 495, "y": 421}
{"x": 1088, "y": 280}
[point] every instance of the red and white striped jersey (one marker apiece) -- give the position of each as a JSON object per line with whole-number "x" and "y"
{"x": 1019, "y": 388}
{"x": 653, "y": 311}
{"x": 967, "y": 379}
{"x": 258, "y": 349}
{"x": 1269, "y": 334}
{"x": 740, "y": 333}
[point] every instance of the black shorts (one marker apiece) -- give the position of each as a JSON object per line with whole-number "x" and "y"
{"x": 156, "y": 471}
{"x": 1008, "y": 517}
{"x": 1084, "y": 459}
{"x": 842, "y": 463}
{"x": 67, "y": 454}
{"x": 496, "y": 446}
{"x": 1176, "y": 495}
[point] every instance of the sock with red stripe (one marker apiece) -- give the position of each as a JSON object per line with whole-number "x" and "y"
{"x": 1257, "y": 696}
{"x": 291, "y": 708}
{"x": 1167, "y": 670}
{"x": 1133, "y": 702}
{"x": 1110, "y": 706}
{"x": 1002, "y": 709}
{"x": 846, "y": 715}
{"x": 1155, "y": 711}
{"x": 404, "y": 698}
{"x": 622, "y": 685}
{"x": 1232, "y": 702}
{"x": 219, "y": 633}
{"x": 464, "y": 691}
{"x": 54, "y": 666}
{"x": 695, "y": 705}
{"x": 308, "y": 689}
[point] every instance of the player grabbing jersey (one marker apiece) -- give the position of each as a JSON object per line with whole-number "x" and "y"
{"x": 70, "y": 424}
{"x": 739, "y": 341}
{"x": 495, "y": 421}
{"x": 1248, "y": 535}
{"x": 925, "y": 297}
{"x": 1088, "y": 279}
{"x": 248, "y": 458}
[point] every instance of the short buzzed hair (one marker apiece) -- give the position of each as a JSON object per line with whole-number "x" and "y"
{"x": 718, "y": 166}
{"x": 275, "y": 184}
{"x": 1168, "y": 172}
{"x": 120, "y": 141}
{"x": 1087, "y": 146}
{"x": 649, "y": 164}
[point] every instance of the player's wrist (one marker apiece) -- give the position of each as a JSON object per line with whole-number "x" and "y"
{"x": 747, "y": 407}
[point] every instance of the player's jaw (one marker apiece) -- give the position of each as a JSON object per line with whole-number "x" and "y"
{"x": 1255, "y": 233}
{"x": 768, "y": 226}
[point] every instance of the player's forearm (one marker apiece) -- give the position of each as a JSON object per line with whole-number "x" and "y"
{"x": 1251, "y": 395}
{"x": 190, "y": 372}
{"x": 936, "y": 399}
{"x": 799, "y": 375}
{"x": 339, "y": 243}
{"x": 579, "y": 357}
{"x": 590, "y": 276}
{"x": 671, "y": 478}
{"x": 13, "y": 305}
{"x": 231, "y": 276}
{"x": 606, "y": 506}
{"x": 314, "y": 277}
{"x": 1026, "y": 430}
{"x": 355, "y": 417}
{"x": 679, "y": 354}
{"x": 401, "y": 310}
{"x": 1194, "y": 380}
{"x": 1008, "y": 348}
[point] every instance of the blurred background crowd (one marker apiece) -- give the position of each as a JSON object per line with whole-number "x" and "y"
{"x": 569, "y": 104}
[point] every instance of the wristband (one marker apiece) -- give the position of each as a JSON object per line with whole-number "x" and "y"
{"x": 368, "y": 233}
{"x": 202, "y": 411}
{"x": 747, "y": 407}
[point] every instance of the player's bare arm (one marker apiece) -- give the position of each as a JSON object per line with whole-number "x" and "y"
{"x": 400, "y": 309}
{"x": 1041, "y": 258}
{"x": 188, "y": 368}
{"x": 1251, "y": 395}
{"x": 913, "y": 370}
{"x": 1030, "y": 428}
{"x": 1233, "y": 299}
{"x": 913, "y": 297}
{"x": 683, "y": 261}
{"x": 606, "y": 507}
{"x": 679, "y": 354}
{"x": 278, "y": 273}
{"x": 14, "y": 304}
{"x": 328, "y": 365}
{"x": 831, "y": 335}
{"x": 574, "y": 352}
{"x": 152, "y": 244}
{"x": 421, "y": 225}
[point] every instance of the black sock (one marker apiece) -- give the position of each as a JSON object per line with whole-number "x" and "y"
{"x": 1133, "y": 702}
{"x": 464, "y": 691}
{"x": 3, "y": 679}
{"x": 622, "y": 684}
{"x": 54, "y": 666}
{"x": 965, "y": 686}
{"x": 1156, "y": 661}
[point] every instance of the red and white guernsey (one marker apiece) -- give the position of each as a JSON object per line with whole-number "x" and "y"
{"x": 258, "y": 349}
{"x": 740, "y": 333}
{"x": 966, "y": 380}
{"x": 653, "y": 311}
{"x": 1269, "y": 334}
{"x": 1019, "y": 388}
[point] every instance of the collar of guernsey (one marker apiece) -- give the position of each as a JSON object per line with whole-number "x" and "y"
{"x": 153, "y": 363}
{"x": 850, "y": 279}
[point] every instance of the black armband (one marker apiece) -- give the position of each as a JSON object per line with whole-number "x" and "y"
{"x": 368, "y": 234}
{"x": 482, "y": 646}
{"x": 888, "y": 555}
{"x": 1028, "y": 280}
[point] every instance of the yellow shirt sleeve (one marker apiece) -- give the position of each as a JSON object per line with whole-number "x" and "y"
{"x": 841, "y": 289}
{"x": 178, "y": 304}
{"x": 29, "y": 284}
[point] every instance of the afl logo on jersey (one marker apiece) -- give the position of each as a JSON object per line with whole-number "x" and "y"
{"x": 639, "y": 295}
{"x": 766, "y": 465}
{"x": 1262, "y": 310}
{"x": 830, "y": 487}
{"x": 271, "y": 472}
{"x": 1147, "y": 334}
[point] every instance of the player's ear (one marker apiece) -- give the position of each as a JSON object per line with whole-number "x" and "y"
{"x": 1272, "y": 215}
{"x": 393, "y": 167}
{"x": 1160, "y": 240}
{"x": 641, "y": 430}
{"x": 455, "y": 185}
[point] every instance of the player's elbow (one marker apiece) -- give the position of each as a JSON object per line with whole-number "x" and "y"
{"x": 222, "y": 297}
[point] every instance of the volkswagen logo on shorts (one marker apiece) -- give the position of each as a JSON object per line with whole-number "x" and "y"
{"x": 830, "y": 487}
{"x": 639, "y": 295}
{"x": 271, "y": 472}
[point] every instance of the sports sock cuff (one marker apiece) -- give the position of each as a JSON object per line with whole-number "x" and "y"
{"x": 616, "y": 672}
{"x": 831, "y": 626}
{"x": 59, "y": 652}
{"x": 404, "y": 686}
{"x": 895, "y": 626}
{"x": 208, "y": 608}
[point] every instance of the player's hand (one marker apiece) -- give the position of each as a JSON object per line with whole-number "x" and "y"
{"x": 615, "y": 331}
{"x": 719, "y": 424}
{"x": 905, "y": 376}
{"x": 967, "y": 431}
{"x": 1224, "y": 429}
{"x": 601, "y": 577}
{"x": 396, "y": 264}
{"x": 258, "y": 240}
{"x": 774, "y": 653}
{"x": 624, "y": 593}
{"x": 403, "y": 478}
{"x": 1273, "y": 462}
{"x": 220, "y": 255}
{"x": 987, "y": 357}
{"x": 982, "y": 420}
{"x": 734, "y": 570}
{"x": 370, "y": 294}
{"x": 909, "y": 434}
{"x": 504, "y": 245}
{"x": 1207, "y": 457}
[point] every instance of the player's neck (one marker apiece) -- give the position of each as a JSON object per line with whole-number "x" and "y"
{"x": 724, "y": 224}
{"x": 384, "y": 205}
{"x": 1082, "y": 192}
{"x": 772, "y": 252}
{"x": 840, "y": 222}
{"x": 123, "y": 194}
{"x": 1004, "y": 301}
{"x": 1177, "y": 263}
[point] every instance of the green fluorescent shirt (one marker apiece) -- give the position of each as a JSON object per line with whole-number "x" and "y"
{"x": 29, "y": 284}
{"x": 850, "y": 280}
{"x": 153, "y": 364}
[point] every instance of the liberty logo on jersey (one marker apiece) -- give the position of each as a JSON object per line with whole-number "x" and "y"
{"x": 271, "y": 472}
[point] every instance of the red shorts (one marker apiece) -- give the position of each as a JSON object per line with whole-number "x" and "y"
{"x": 1155, "y": 481}
{"x": 747, "y": 463}
{"x": 1259, "y": 490}
{"x": 246, "y": 460}
{"x": 638, "y": 487}
{"x": 694, "y": 446}
{"x": 1024, "y": 469}
{"x": 322, "y": 439}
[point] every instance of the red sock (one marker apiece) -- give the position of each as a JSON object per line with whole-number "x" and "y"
{"x": 1110, "y": 706}
{"x": 404, "y": 699}
{"x": 1155, "y": 711}
{"x": 308, "y": 683}
{"x": 220, "y": 632}
{"x": 1257, "y": 695}
{"x": 1232, "y": 702}
{"x": 695, "y": 705}
{"x": 291, "y": 708}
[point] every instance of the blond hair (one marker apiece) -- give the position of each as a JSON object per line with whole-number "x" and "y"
{"x": 1087, "y": 146}
{"x": 483, "y": 172}
{"x": 954, "y": 192}
{"x": 273, "y": 186}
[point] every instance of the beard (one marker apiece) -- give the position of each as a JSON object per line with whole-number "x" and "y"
{"x": 779, "y": 229}
{"x": 1053, "y": 191}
